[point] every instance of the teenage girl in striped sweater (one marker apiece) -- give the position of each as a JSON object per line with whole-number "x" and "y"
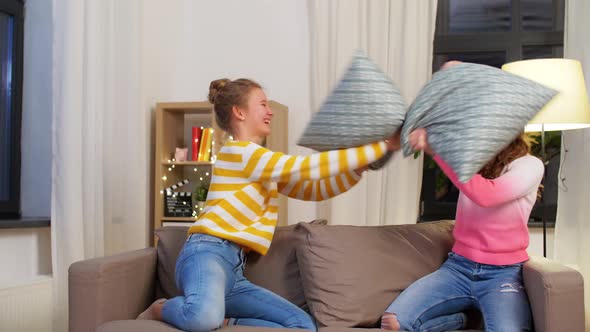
{"x": 241, "y": 215}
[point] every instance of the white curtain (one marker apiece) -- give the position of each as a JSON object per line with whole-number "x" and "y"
{"x": 100, "y": 137}
{"x": 398, "y": 36}
{"x": 572, "y": 228}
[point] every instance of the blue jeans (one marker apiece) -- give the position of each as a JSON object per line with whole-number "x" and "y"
{"x": 209, "y": 271}
{"x": 436, "y": 301}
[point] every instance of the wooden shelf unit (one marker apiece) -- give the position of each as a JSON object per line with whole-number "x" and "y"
{"x": 187, "y": 163}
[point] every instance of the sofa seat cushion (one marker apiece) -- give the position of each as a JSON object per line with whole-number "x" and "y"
{"x": 351, "y": 274}
{"x": 136, "y": 326}
{"x": 348, "y": 329}
{"x": 155, "y": 326}
{"x": 356, "y": 329}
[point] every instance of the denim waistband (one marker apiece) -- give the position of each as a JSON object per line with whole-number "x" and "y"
{"x": 472, "y": 264}
{"x": 214, "y": 239}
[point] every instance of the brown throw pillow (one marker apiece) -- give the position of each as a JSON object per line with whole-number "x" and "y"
{"x": 351, "y": 274}
{"x": 278, "y": 271}
{"x": 170, "y": 242}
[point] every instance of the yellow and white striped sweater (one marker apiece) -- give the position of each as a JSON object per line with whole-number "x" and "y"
{"x": 242, "y": 203}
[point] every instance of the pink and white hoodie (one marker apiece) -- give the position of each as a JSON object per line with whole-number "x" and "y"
{"x": 492, "y": 215}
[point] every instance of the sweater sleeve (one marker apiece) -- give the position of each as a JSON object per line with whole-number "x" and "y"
{"x": 319, "y": 190}
{"x": 523, "y": 176}
{"x": 261, "y": 164}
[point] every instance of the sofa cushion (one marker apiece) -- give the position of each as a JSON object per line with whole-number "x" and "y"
{"x": 170, "y": 242}
{"x": 277, "y": 271}
{"x": 347, "y": 329}
{"x": 351, "y": 274}
{"x": 351, "y": 329}
{"x": 472, "y": 112}
{"x": 155, "y": 326}
{"x": 136, "y": 326}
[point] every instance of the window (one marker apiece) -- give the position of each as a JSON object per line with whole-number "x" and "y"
{"x": 494, "y": 32}
{"x": 11, "y": 58}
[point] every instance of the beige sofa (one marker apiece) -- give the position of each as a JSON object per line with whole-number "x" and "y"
{"x": 345, "y": 276}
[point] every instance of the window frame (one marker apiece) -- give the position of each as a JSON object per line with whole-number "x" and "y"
{"x": 10, "y": 208}
{"x": 510, "y": 42}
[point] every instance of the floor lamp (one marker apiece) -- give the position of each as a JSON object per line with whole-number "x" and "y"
{"x": 568, "y": 110}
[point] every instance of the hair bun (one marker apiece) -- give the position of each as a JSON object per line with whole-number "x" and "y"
{"x": 215, "y": 87}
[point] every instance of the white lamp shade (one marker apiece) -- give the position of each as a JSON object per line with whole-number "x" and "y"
{"x": 569, "y": 109}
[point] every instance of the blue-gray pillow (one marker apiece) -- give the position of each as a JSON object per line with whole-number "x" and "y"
{"x": 364, "y": 107}
{"x": 472, "y": 112}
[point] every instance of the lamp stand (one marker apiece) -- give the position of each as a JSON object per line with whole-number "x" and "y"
{"x": 544, "y": 213}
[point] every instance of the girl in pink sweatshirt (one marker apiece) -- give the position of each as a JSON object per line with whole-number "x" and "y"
{"x": 484, "y": 269}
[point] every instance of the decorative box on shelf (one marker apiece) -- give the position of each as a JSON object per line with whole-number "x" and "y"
{"x": 178, "y": 204}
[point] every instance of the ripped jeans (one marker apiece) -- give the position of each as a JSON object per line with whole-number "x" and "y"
{"x": 437, "y": 301}
{"x": 210, "y": 272}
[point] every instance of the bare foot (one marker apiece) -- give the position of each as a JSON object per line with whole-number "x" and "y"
{"x": 389, "y": 322}
{"x": 154, "y": 311}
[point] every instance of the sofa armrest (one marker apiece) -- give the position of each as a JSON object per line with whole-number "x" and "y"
{"x": 110, "y": 288}
{"x": 556, "y": 293}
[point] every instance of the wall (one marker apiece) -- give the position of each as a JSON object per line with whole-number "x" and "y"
{"x": 536, "y": 242}
{"x": 25, "y": 281}
{"x": 187, "y": 44}
{"x": 27, "y": 253}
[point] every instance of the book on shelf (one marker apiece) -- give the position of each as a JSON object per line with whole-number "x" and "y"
{"x": 196, "y": 142}
{"x": 205, "y": 147}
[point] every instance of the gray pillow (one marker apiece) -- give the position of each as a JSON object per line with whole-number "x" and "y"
{"x": 472, "y": 112}
{"x": 364, "y": 107}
